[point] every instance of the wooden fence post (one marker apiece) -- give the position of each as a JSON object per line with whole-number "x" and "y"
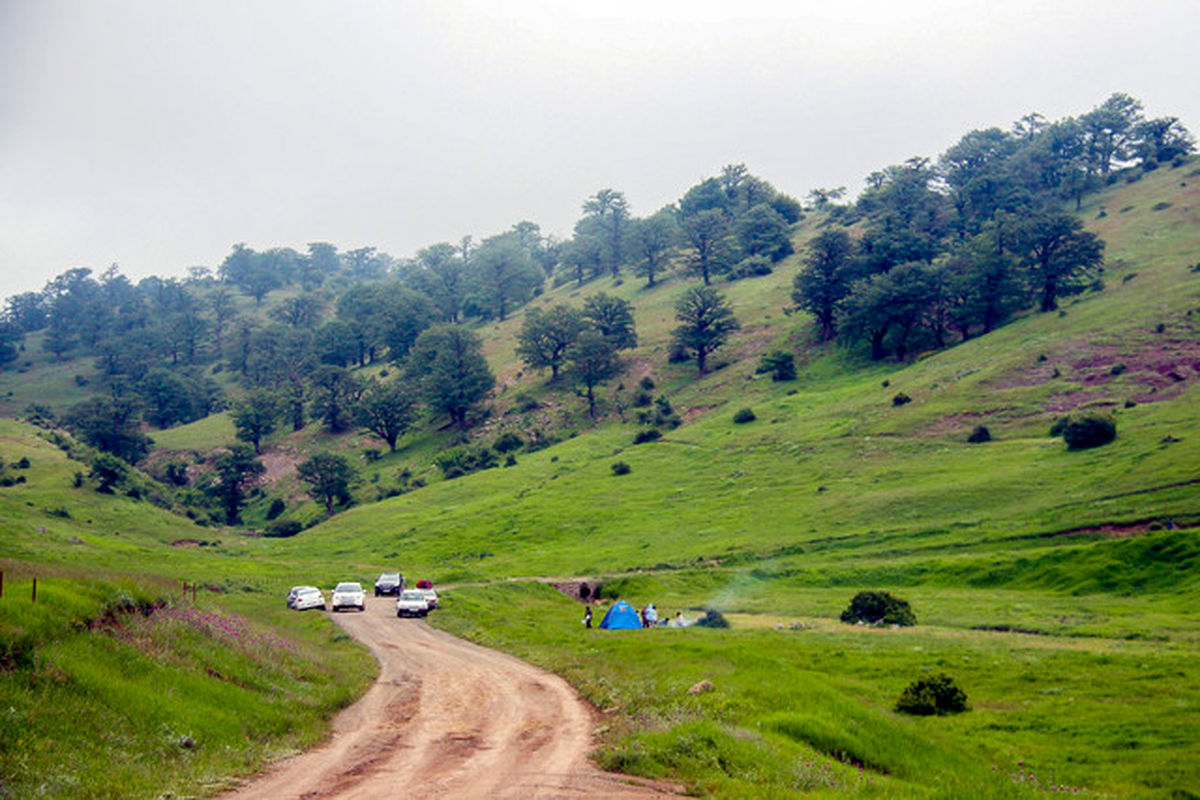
{"x": 34, "y": 595}
{"x": 193, "y": 594}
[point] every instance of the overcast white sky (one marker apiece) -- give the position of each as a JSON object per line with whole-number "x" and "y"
{"x": 157, "y": 133}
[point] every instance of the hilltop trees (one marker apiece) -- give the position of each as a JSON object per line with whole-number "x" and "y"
{"x": 254, "y": 417}
{"x": 387, "y": 410}
{"x": 824, "y": 281}
{"x": 447, "y": 364}
{"x": 328, "y": 477}
{"x": 1056, "y": 252}
{"x": 654, "y": 240}
{"x": 613, "y": 318}
{"x": 545, "y": 337}
{"x": 231, "y": 473}
{"x": 706, "y": 320}
{"x": 502, "y": 276}
{"x": 593, "y": 360}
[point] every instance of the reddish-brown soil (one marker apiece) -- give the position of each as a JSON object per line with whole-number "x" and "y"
{"x": 449, "y": 719}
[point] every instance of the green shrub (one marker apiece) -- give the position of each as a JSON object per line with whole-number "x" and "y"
{"x": 980, "y": 435}
{"x": 458, "y": 461}
{"x": 751, "y": 267}
{"x": 936, "y": 694}
{"x": 277, "y": 507}
{"x": 781, "y": 365}
{"x": 713, "y": 619}
{"x": 282, "y": 528}
{"x": 642, "y": 399}
{"x": 744, "y": 415}
{"x": 901, "y": 399}
{"x": 879, "y": 608}
{"x": 1089, "y": 430}
{"x": 508, "y": 442}
{"x": 648, "y": 435}
{"x": 646, "y": 383}
{"x": 621, "y": 468}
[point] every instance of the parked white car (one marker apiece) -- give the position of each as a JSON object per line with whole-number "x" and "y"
{"x": 431, "y": 597}
{"x": 309, "y": 597}
{"x": 291, "y": 598}
{"x": 412, "y": 603}
{"x": 348, "y": 594}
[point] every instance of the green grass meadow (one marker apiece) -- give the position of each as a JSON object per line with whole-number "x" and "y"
{"x": 1058, "y": 588}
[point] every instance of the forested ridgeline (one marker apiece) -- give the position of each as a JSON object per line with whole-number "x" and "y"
{"x": 930, "y": 252}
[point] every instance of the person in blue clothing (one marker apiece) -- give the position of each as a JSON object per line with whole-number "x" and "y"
{"x": 651, "y": 616}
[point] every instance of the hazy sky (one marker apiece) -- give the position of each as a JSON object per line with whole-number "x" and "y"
{"x": 157, "y": 133}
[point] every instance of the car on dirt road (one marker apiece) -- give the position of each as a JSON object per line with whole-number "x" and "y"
{"x": 412, "y": 603}
{"x": 389, "y": 583}
{"x": 431, "y": 597}
{"x": 348, "y": 594}
{"x": 291, "y": 598}
{"x": 309, "y": 597}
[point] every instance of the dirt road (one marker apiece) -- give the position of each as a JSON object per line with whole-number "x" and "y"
{"x": 449, "y": 719}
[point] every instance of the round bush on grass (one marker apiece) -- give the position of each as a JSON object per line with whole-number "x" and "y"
{"x": 980, "y": 435}
{"x": 621, "y": 468}
{"x": 743, "y": 416}
{"x": 879, "y": 608}
{"x": 936, "y": 694}
{"x": 282, "y": 528}
{"x": 1088, "y": 430}
{"x": 713, "y": 619}
{"x": 648, "y": 435}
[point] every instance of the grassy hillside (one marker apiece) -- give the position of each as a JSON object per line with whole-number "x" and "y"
{"x": 1057, "y": 587}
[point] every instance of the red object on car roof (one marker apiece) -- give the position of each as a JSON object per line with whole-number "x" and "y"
{"x": 424, "y": 584}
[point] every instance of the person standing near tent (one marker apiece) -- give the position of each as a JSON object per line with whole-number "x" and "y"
{"x": 651, "y": 616}
{"x": 587, "y": 617}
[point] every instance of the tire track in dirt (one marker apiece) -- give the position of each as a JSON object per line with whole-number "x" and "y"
{"x": 449, "y": 719}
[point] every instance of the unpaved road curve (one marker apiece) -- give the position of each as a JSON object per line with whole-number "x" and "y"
{"x": 449, "y": 719}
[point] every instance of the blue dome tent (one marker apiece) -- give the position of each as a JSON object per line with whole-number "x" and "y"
{"x": 620, "y": 617}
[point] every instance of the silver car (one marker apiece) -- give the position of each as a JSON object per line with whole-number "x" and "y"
{"x": 348, "y": 594}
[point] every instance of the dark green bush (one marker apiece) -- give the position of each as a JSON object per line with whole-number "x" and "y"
{"x": 648, "y": 435}
{"x": 980, "y": 435}
{"x": 1088, "y": 430}
{"x": 936, "y": 694}
{"x": 646, "y": 383}
{"x": 744, "y": 415}
{"x": 781, "y": 365}
{"x": 277, "y": 507}
{"x": 642, "y": 398}
{"x": 508, "y": 442}
{"x": 751, "y": 267}
{"x": 458, "y": 461}
{"x": 901, "y": 399}
{"x": 879, "y": 608}
{"x": 283, "y": 528}
{"x": 621, "y": 468}
{"x": 713, "y": 619}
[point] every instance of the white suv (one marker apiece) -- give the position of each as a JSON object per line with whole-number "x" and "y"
{"x": 348, "y": 594}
